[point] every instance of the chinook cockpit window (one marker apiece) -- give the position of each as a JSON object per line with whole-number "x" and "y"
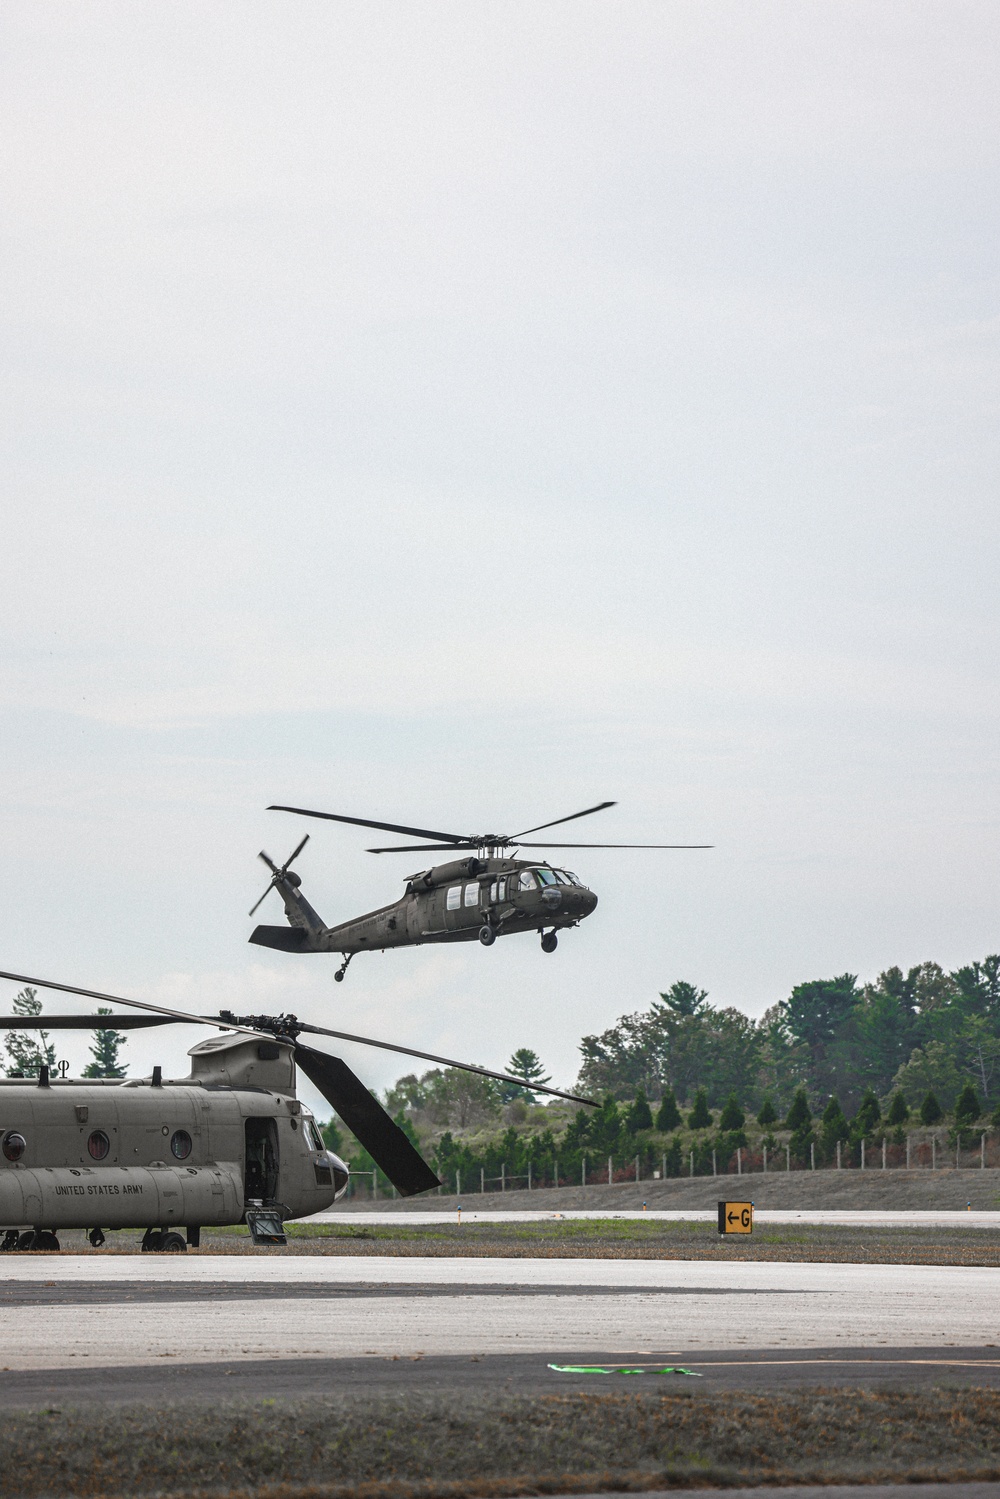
{"x": 315, "y": 1138}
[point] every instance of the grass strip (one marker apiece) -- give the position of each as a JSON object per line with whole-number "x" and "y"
{"x": 492, "y": 1444}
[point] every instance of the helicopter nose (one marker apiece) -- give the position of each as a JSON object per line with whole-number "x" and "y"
{"x": 588, "y": 902}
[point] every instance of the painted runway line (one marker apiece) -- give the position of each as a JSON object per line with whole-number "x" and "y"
{"x": 861, "y": 1218}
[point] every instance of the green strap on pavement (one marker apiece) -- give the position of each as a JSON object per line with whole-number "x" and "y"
{"x": 622, "y": 1369}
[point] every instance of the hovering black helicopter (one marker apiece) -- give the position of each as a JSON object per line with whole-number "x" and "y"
{"x": 488, "y": 894}
{"x": 231, "y": 1143}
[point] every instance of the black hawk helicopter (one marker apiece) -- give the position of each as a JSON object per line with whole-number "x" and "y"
{"x": 229, "y": 1144}
{"x": 485, "y": 895}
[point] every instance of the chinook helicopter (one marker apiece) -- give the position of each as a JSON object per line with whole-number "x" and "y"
{"x": 229, "y": 1144}
{"x": 485, "y": 895}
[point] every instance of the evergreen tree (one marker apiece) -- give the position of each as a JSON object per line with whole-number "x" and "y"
{"x": 899, "y": 1111}
{"x": 27, "y": 1056}
{"x": 930, "y": 1110}
{"x": 768, "y": 1113}
{"x": 700, "y": 1117}
{"x": 668, "y": 1116}
{"x": 967, "y": 1106}
{"x": 105, "y": 1052}
{"x": 527, "y": 1064}
{"x": 684, "y": 999}
{"x": 834, "y": 1128}
{"x": 639, "y": 1116}
{"x": 865, "y": 1120}
{"x": 732, "y": 1116}
{"x": 799, "y": 1115}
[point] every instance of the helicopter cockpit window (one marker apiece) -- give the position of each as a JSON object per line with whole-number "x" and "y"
{"x": 472, "y": 895}
{"x": 547, "y": 877}
{"x": 315, "y": 1137}
{"x": 527, "y": 880}
{"x": 454, "y": 897}
{"x": 574, "y": 879}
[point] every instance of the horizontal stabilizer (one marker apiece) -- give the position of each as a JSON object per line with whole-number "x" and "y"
{"x": 284, "y": 938}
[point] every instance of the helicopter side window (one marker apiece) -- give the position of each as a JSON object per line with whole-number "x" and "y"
{"x": 527, "y": 881}
{"x": 574, "y": 879}
{"x": 314, "y": 1136}
{"x": 501, "y": 890}
{"x": 454, "y": 897}
{"x": 472, "y": 895}
{"x": 547, "y": 876}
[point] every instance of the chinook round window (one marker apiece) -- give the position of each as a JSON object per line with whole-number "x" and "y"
{"x": 98, "y": 1145}
{"x": 180, "y": 1144}
{"x": 14, "y": 1145}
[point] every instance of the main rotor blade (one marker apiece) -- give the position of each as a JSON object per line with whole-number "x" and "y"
{"x": 81, "y": 1022}
{"x": 268, "y": 861}
{"x": 365, "y": 1117}
{"x": 421, "y": 848}
{"x": 134, "y": 1004}
{"x": 428, "y": 1056}
{"x": 616, "y": 845}
{"x": 386, "y": 827}
{"x": 572, "y": 816}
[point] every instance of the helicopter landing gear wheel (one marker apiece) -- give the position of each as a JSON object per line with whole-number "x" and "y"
{"x": 172, "y": 1244}
{"x": 487, "y": 935}
{"x": 339, "y": 975}
{"x": 96, "y": 1237}
{"x": 152, "y": 1240}
{"x": 10, "y": 1239}
{"x": 38, "y": 1238}
{"x": 549, "y": 942}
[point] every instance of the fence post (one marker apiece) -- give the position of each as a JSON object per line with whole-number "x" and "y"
{"x": 862, "y": 1152}
{"x": 838, "y": 1155}
{"x": 958, "y": 1147}
{"x": 663, "y": 1168}
{"x": 529, "y": 1176}
{"x": 555, "y": 1162}
{"x": 907, "y": 1150}
{"x": 739, "y": 1160}
{"x": 765, "y": 1157}
{"x": 714, "y": 1172}
{"x": 933, "y": 1152}
{"x": 982, "y": 1152}
{"x": 812, "y": 1155}
{"x": 503, "y": 1176}
{"x": 788, "y": 1158}
{"x": 482, "y": 1179}
{"x": 691, "y": 1170}
{"x": 883, "y": 1152}
{"x": 458, "y": 1183}
{"x": 583, "y": 1172}
{"x": 609, "y": 1171}
{"x": 637, "y": 1168}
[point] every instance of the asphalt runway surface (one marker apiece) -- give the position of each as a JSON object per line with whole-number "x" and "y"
{"x": 186, "y": 1321}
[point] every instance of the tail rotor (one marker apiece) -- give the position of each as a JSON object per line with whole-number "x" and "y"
{"x": 277, "y": 875}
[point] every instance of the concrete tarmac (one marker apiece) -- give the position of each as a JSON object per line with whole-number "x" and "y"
{"x": 107, "y": 1311}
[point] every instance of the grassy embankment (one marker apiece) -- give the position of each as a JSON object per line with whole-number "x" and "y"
{"x": 501, "y": 1444}
{"x": 607, "y": 1238}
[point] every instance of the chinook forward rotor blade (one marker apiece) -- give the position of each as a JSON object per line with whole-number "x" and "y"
{"x": 571, "y": 818}
{"x": 118, "y": 999}
{"x": 81, "y": 1022}
{"x": 367, "y": 1120}
{"x": 451, "y": 840}
{"x": 428, "y": 1056}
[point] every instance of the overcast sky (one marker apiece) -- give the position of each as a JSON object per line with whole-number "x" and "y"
{"x": 461, "y": 414}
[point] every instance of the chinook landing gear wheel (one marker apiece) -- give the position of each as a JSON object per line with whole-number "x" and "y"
{"x": 96, "y": 1237}
{"x": 38, "y": 1238}
{"x": 10, "y": 1239}
{"x": 549, "y": 942}
{"x": 172, "y": 1244}
{"x": 487, "y": 935}
{"x": 152, "y": 1240}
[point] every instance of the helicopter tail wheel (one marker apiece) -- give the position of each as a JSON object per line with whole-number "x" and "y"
{"x": 339, "y": 975}
{"x": 487, "y": 935}
{"x": 549, "y": 942}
